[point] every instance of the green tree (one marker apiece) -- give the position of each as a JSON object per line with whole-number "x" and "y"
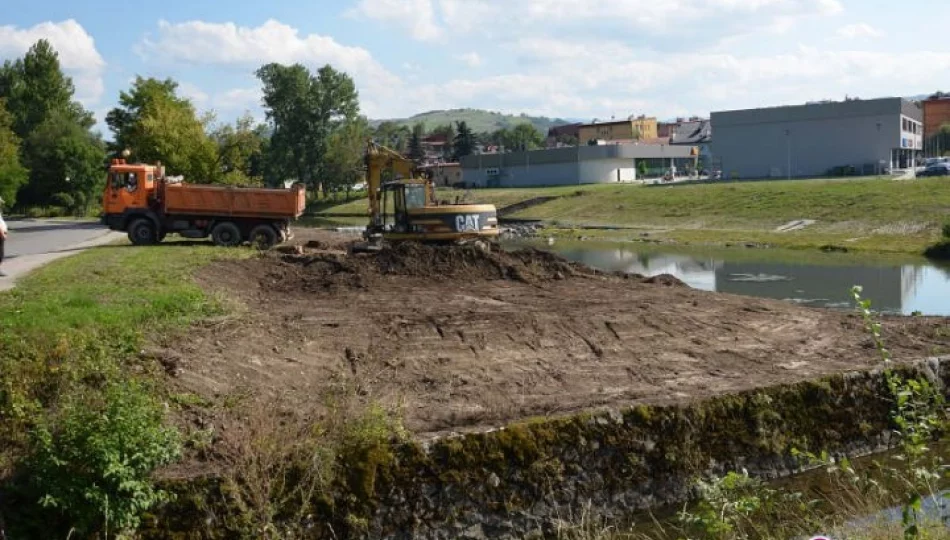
{"x": 523, "y": 137}
{"x": 464, "y": 143}
{"x": 66, "y": 165}
{"x": 12, "y": 173}
{"x": 239, "y": 152}
{"x": 393, "y": 135}
{"x": 305, "y": 110}
{"x": 345, "y": 151}
{"x": 64, "y": 159}
{"x": 416, "y": 152}
{"x": 155, "y": 124}
{"x": 565, "y": 139}
{"x": 36, "y": 88}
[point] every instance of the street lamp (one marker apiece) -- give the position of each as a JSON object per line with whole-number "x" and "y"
{"x": 788, "y": 155}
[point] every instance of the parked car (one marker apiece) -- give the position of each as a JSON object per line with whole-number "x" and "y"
{"x": 936, "y": 169}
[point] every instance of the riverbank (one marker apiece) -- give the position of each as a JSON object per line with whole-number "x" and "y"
{"x": 866, "y": 215}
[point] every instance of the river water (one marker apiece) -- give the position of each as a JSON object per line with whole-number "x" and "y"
{"x": 902, "y": 285}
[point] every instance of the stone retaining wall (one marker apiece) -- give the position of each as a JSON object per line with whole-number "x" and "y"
{"x": 519, "y": 481}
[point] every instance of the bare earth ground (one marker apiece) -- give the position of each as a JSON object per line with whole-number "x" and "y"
{"x": 461, "y": 339}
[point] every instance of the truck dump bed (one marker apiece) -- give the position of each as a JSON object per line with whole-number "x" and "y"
{"x": 207, "y": 200}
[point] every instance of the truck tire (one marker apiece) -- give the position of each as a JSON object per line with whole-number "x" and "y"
{"x": 226, "y": 234}
{"x": 263, "y": 237}
{"x": 142, "y": 232}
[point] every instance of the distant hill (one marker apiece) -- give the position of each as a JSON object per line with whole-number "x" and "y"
{"x": 477, "y": 119}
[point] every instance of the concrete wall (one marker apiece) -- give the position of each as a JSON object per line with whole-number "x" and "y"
{"x": 810, "y": 140}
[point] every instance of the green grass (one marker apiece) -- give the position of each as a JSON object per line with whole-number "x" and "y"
{"x": 865, "y": 214}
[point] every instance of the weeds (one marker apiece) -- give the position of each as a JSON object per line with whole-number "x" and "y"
{"x": 280, "y": 474}
{"x": 93, "y": 462}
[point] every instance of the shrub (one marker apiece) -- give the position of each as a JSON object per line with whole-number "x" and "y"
{"x": 946, "y": 231}
{"x": 94, "y": 460}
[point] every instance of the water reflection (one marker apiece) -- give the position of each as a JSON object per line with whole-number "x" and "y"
{"x": 893, "y": 287}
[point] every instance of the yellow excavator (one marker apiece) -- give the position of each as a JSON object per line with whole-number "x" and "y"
{"x": 403, "y": 206}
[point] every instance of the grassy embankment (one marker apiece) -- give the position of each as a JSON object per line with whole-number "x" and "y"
{"x": 867, "y": 214}
{"x": 82, "y": 421}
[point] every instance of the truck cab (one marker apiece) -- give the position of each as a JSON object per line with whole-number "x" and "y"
{"x": 129, "y": 190}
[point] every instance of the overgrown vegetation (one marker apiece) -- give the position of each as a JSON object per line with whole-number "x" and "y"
{"x": 81, "y": 426}
{"x": 280, "y": 476}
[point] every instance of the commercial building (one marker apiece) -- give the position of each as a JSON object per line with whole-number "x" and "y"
{"x": 817, "y": 139}
{"x": 570, "y": 165}
{"x": 635, "y": 127}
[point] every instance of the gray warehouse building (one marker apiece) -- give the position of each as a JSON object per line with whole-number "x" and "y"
{"x": 570, "y": 165}
{"x": 818, "y": 139}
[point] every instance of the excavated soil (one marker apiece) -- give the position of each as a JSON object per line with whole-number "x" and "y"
{"x": 463, "y": 338}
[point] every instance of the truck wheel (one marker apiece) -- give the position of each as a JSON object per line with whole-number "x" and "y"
{"x": 263, "y": 237}
{"x": 142, "y": 232}
{"x": 226, "y": 234}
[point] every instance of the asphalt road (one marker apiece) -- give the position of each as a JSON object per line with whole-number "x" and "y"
{"x": 32, "y": 243}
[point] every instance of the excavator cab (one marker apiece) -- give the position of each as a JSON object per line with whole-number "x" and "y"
{"x": 401, "y": 197}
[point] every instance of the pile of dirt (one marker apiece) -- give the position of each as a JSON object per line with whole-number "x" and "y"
{"x": 321, "y": 270}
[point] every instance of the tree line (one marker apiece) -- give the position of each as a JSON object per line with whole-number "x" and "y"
{"x": 459, "y": 138}
{"x": 314, "y": 133}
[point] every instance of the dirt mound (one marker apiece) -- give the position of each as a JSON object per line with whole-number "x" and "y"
{"x": 323, "y": 270}
{"x": 475, "y": 262}
{"x": 666, "y": 280}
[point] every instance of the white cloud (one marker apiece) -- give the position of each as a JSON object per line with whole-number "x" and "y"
{"x": 238, "y": 99}
{"x": 588, "y": 80}
{"x": 415, "y": 16}
{"x": 227, "y": 44}
{"x": 77, "y": 53}
{"x": 428, "y": 20}
{"x": 471, "y": 59}
{"x": 859, "y": 30}
{"x": 198, "y": 97}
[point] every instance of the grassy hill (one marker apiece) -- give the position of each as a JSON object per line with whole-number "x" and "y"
{"x": 479, "y": 120}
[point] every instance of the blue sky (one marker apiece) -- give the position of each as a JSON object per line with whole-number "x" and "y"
{"x": 569, "y": 58}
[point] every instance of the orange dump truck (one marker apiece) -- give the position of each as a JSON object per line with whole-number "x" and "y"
{"x": 141, "y": 201}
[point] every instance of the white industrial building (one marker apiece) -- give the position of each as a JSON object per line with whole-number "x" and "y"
{"x": 573, "y": 165}
{"x": 818, "y": 139}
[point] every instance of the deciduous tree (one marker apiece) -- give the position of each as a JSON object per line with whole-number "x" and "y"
{"x": 305, "y": 109}
{"x": 155, "y": 124}
{"x": 12, "y": 173}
